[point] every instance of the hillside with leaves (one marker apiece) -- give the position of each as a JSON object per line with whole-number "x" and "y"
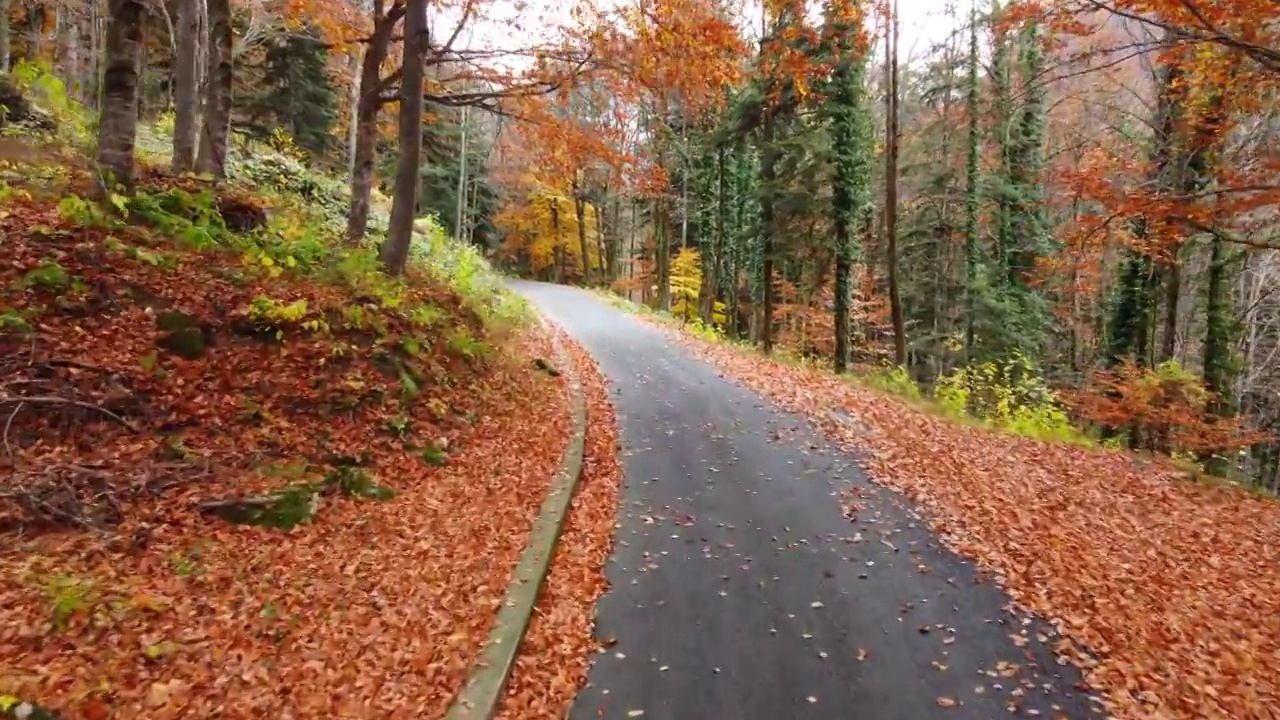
{"x": 274, "y": 429}
{"x": 240, "y": 459}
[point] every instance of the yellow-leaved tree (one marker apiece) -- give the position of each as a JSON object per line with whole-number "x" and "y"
{"x": 686, "y": 279}
{"x": 543, "y": 226}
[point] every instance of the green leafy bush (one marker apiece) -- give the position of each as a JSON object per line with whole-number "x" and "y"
{"x": 895, "y": 380}
{"x": 1009, "y": 394}
{"x": 463, "y": 268}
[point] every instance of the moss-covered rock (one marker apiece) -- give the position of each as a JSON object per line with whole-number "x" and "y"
{"x": 184, "y": 335}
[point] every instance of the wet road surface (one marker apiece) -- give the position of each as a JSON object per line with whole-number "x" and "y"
{"x": 740, "y": 588}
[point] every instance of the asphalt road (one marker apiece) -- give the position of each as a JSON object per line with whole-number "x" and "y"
{"x": 741, "y": 591}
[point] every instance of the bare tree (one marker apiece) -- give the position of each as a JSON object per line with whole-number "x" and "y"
{"x": 186, "y": 79}
{"x": 212, "y": 157}
{"x": 118, "y": 127}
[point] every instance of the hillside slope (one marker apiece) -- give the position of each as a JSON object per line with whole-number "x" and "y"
{"x": 245, "y": 473}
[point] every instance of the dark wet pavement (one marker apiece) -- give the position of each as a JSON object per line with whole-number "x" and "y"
{"x": 740, "y": 589}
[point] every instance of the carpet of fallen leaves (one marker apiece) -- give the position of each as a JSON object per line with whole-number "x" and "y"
{"x": 122, "y": 600}
{"x": 1171, "y": 586}
{"x": 553, "y": 660}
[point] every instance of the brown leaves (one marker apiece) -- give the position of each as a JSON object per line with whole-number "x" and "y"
{"x": 374, "y": 610}
{"x": 552, "y": 664}
{"x": 1171, "y": 585}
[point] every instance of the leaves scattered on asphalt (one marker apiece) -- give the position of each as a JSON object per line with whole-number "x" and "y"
{"x": 553, "y": 660}
{"x": 1168, "y": 583}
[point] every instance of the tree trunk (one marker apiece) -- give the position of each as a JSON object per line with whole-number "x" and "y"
{"x": 580, "y": 210}
{"x": 186, "y": 80}
{"x": 891, "y": 194}
{"x": 4, "y": 35}
{"x": 118, "y": 127}
{"x": 353, "y": 121}
{"x": 366, "y": 132}
{"x": 212, "y": 156}
{"x": 662, "y": 250}
{"x": 459, "y": 221}
{"x": 972, "y": 200}
{"x": 395, "y": 251}
{"x": 711, "y": 274}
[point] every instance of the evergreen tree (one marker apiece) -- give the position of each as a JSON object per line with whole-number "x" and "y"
{"x": 298, "y": 95}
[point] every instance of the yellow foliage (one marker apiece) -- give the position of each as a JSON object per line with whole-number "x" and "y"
{"x": 686, "y": 282}
{"x": 544, "y": 221}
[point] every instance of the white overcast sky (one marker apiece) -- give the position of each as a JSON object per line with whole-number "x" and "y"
{"x": 508, "y": 25}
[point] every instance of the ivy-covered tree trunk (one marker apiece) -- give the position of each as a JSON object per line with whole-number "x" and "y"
{"x": 714, "y": 266}
{"x": 662, "y": 251}
{"x": 891, "y": 193}
{"x": 849, "y": 111}
{"x": 186, "y": 80}
{"x": 768, "y": 231}
{"x": 404, "y": 203}
{"x": 971, "y": 192}
{"x": 212, "y": 157}
{"x": 1218, "y": 363}
{"x": 1129, "y": 327}
{"x": 117, "y": 129}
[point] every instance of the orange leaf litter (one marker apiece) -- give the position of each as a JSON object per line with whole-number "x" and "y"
{"x": 553, "y": 660}
{"x": 1172, "y": 587}
{"x": 376, "y": 610}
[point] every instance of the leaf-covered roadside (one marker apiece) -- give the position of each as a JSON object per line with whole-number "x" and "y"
{"x": 553, "y": 660}
{"x": 1167, "y": 588}
{"x": 159, "y": 368}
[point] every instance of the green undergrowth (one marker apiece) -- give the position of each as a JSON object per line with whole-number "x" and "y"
{"x": 254, "y": 274}
{"x": 1007, "y": 397}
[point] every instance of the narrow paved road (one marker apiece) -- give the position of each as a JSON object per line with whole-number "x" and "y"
{"x": 740, "y": 591}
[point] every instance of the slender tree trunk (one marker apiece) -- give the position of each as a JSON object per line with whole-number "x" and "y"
{"x": 35, "y": 31}
{"x": 186, "y": 79}
{"x": 4, "y": 35}
{"x": 662, "y": 243}
{"x": 768, "y": 228}
{"x": 117, "y": 129}
{"x": 366, "y": 132}
{"x": 711, "y": 278}
{"x": 459, "y": 219}
{"x": 580, "y": 213}
{"x": 1172, "y": 292}
{"x": 891, "y": 191}
{"x": 356, "y": 61}
{"x": 395, "y": 251}
{"x": 212, "y": 157}
{"x": 93, "y": 93}
{"x": 971, "y": 199}
{"x": 75, "y": 69}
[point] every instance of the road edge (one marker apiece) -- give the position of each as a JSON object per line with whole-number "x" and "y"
{"x": 482, "y": 692}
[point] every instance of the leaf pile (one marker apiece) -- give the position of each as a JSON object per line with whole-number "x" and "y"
{"x": 1170, "y": 586}
{"x": 553, "y": 660}
{"x": 122, "y": 599}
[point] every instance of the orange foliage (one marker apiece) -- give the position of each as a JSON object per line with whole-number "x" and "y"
{"x": 1164, "y": 410}
{"x": 1171, "y": 578}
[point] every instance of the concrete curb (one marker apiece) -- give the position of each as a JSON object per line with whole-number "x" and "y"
{"x": 482, "y": 692}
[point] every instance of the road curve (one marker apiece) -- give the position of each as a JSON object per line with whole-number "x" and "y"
{"x": 739, "y": 589}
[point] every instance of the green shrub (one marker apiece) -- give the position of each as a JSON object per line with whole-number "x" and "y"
{"x": 895, "y": 380}
{"x": 1010, "y": 395}
{"x": 462, "y": 267}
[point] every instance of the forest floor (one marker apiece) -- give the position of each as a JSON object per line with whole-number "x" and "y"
{"x": 1164, "y": 588}
{"x": 247, "y": 475}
